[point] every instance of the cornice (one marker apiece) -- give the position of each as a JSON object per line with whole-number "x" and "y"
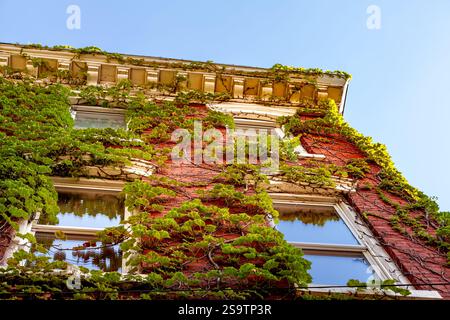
{"x": 242, "y": 83}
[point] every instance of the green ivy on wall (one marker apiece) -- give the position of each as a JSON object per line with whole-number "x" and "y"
{"x": 224, "y": 229}
{"x": 391, "y": 180}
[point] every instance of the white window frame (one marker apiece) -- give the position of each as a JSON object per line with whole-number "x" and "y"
{"x": 106, "y": 113}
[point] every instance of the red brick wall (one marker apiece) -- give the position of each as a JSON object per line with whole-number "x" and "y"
{"x": 419, "y": 262}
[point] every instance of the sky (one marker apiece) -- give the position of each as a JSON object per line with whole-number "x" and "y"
{"x": 401, "y": 71}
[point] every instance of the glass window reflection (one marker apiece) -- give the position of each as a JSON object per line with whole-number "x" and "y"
{"x": 82, "y": 251}
{"x": 337, "y": 270}
{"x": 86, "y": 120}
{"x": 88, "y": 209}
{"x": 321, "y": 225}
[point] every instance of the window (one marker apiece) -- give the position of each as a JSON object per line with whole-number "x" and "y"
{"x": 245, "y": 123}
{"x": 98, "y": 117}
{"x": 84, "y": 211}
{"x": 255, "y": 116}
{"x": 82, "y": 250}
{"x": 338, "y": 269}
{"x": 250, "y": 127}
{"x": 333, "y": 239}
{"x": 88, "y": 209}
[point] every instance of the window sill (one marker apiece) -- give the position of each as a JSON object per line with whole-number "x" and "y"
{"x": 315, "y": 289}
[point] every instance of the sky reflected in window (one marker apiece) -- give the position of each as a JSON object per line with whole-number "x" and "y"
{"x": 315, "y": 226}
{"x": 89, "y": 209}
{"x": 335, "y": 270}
{"x": 75, "y": 251}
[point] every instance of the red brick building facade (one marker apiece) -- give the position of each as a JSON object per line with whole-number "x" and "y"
{"x": 331, "y": 176}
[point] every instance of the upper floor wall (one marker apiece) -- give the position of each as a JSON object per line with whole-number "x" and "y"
{"x": 169, "y": 76}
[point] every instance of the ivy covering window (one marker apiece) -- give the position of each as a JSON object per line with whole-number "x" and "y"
{"x": 335, "y": 253}
{"x": 96, "y": 117}
{"x": 72, "y": 237}
{"x": 250, "y": 127}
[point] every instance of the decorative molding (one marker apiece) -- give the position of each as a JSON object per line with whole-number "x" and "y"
{"x": 357, "y": 292}
{"x": 238, "y": 88}
{"x": 152, "y": 76}
{"x": 123, "y": 73}
{"x": 266, "y": 91}
{"x": 4, "y": 59}
{"x": 209, "y": 84}
{"x": 31, "y": 70}
{"x": 92, "y": 73}
{"x": 247, "y": 83}
{"x": 279, "y": 185}
{"x": 262, "y": 111}
{"x": 64, "y": 64}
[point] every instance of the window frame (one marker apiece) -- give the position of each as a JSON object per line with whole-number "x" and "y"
{"x": 256, "y": 116}
{"x": 107, "y": 113}
{"x": 81, "y": 184}
{"x": 381, "y": 263}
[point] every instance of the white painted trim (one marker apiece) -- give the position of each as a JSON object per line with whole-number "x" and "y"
{"x": 415, "y": 294}
{"x": 329, "y": 247}
{"x": 97, "y": 109}
{"x": 310, "y": 199}
{"x": 253, "y": 110}
{"x": 376, "y": 254}
{"x": 344, "y": 185}
{"x": 88, "y": 184}
{"x": 42, "y": 228}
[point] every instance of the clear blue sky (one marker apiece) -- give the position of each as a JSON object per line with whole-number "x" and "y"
{"x": 401, "y": 73}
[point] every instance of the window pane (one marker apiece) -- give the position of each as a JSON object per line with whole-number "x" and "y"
{"x": 89, "y": 209}
{"x": 314, "y": 225}
{"x": 336, "y": 270}
{"x": 84, "y": 120}
{"x": 72, "y": 251}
